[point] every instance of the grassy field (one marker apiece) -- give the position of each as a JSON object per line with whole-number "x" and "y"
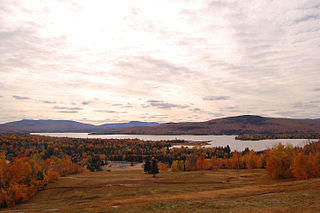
{"x": 130, "y": 190}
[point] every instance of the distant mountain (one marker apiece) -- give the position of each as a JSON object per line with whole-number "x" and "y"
{"x": 245, "y": 124}
{"x": 27, "y": 126}
{"x": 130, "y": 124}
{"x": 46, "y": 126}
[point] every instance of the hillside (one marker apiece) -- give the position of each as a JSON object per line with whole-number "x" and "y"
{"x": 65, "y": 126}
{"x": 245, "y": 124}
{"x": 130, "y": 190}
{"x": 46, "y": 126}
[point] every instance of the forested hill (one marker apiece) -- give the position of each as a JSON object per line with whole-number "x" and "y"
{"x": 26, "y": 126}
{"x": 245, "y": 124}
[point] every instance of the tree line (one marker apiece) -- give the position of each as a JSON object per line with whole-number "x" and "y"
{"x": 94, "y": 153}
{"x": 296, "y": 135}
{"x": 283, "y": 161}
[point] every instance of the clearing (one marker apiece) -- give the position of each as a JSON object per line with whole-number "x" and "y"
{"x": 130, "y": 190}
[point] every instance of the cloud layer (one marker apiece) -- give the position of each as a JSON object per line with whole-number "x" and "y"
{"x": 159, "y": 61}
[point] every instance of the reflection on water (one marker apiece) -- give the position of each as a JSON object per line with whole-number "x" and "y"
{"x": 214, "y": 140}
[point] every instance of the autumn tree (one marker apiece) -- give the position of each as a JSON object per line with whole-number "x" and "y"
{"x": 200, "y": 163}
{"x": 261, "y": 162}
{"x": 175, "y": 166}
{"x": 301, "y": 168}
{"x": 315, "y": 165}
{"x": 251, "y": 160}
{"x": 280, "y": 160}
{"x": 235, "y": 160}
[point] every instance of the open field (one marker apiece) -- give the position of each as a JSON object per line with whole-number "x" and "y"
{"x": 130, "y": 190}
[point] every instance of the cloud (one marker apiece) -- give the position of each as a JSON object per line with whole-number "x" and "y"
{"x": 196, "y": 110}
{"x": 306, "y": 18}
{"x": 49, "y": 102}
{"x": 216, "y": 98}
{"x": 215, "y": 55}
{"x": 20, "y": 97}
{"x": 213, "y": 114}
{"x": 287, "y": 113}
{"x": 304, "y": 105}
{"x": 67, "y": 111}
{"x": 116, "y": 104}
{"x": 103, "y": 121}
{"x": 163, "y": 105}
{"x": 128, "y": 105}
{"x": 110, "y": 111}
{"x": 66, "y": 108}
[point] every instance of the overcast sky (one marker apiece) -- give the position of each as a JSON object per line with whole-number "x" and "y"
{"x": 113, "y": 61}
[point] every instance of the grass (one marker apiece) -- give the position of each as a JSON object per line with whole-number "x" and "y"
{"x": 201, "y": 191}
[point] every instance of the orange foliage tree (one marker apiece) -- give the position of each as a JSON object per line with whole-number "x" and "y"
{"x": 301, "y": 168}
{"x": 279, "y": 161}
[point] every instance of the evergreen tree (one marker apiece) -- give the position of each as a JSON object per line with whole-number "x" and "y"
{"x": 154, "y": 167}
{"x": 227, "y": 149}
{"x": 147, "y": 166}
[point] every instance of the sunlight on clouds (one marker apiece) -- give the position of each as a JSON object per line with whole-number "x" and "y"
{"x": 261, "y": 54}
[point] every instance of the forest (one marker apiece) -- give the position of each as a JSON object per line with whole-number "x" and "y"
{"x": 29, "y": 162}
{"x": 296, "y": 135}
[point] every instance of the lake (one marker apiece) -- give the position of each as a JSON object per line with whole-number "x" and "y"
{"x": 214, "y": 140}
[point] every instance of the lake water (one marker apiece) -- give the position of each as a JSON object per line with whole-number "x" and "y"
{"x": 214, "y": 140}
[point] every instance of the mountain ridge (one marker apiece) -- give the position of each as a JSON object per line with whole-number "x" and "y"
{"x": 50, "y": 125}
{"x": 235, "y": 125}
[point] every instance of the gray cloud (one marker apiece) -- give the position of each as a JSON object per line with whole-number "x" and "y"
{"x": 230, "y": 107}
{"x": 306, "y": 18}
{"x": 216, "y": 98}
{"x": 163, "y": 105}
{"x": 127, "y": 105}
{"x": 110, "y": 111}
{"x": 49, "y": 102}
{"x": 103, "y": 121}
{"x": 66, "y": 108}
{"x": 85, "y": 103}
{"x": 67, "y": 111}
{"x": 20, "y": 97}
{"x": 286, "y": 113}
{"x": 116, "y": 104}
{"x": 196, "y": 109}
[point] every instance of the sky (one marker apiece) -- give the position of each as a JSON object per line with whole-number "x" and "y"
{"x": 162, "y": 61}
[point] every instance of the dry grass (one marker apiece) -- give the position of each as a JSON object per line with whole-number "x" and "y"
{"x": 204, "y": 191}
